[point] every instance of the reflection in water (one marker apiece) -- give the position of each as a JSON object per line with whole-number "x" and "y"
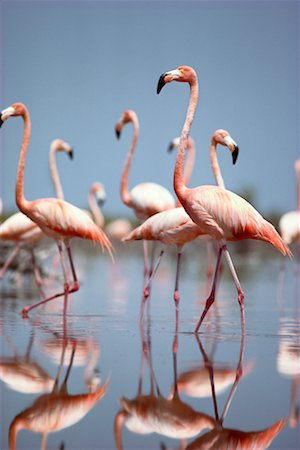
{"x": 21, "y": 373}
{"x": 58, "y": 409}
{"x": 171, "y": 417}
{"x": 288, "y": 357}
{"x": 221, "y": 438}
{"x": 154, "y": 413}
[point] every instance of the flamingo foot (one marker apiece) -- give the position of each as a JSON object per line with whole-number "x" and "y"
{"x": 24, "y": 313}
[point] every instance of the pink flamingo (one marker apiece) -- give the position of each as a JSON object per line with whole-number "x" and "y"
{"x": 220, "y": 213}
{"x": 96, "y": 198}
{"x": 289, "y": 224}
{"x": 145, "y": 199}
{"x": 175, "y": 226}
{"x": 22, "y": 230}
{"x": 58, "y": 219}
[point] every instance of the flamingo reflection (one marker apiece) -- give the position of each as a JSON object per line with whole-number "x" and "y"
{"x": 22, "y": 373}
{"x": 57, "y": 410}
{"x": 288, "y": 357}
{"x": 221, "y": 438}
{"x": 154, "y": 413}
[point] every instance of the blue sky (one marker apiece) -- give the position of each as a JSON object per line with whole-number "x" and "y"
{"x": 78, "y": 65}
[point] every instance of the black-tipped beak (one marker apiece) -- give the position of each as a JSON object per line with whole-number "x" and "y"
{"x": 235, "y": 154}
{"x": 100, "y": 201}
{"x": 161, "y": 83}
{"x": 118, "y": 134}
{"x": 171, "y": 147}
{"x": 71, "y": 154}
{"x": 1, "y": 121}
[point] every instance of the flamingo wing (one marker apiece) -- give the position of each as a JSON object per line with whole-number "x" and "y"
{"x": 149, "y": 198}
{"x": 225, "y": 215}
{"x": 16, "y": 227}
{"x": 62, "y": 220}
{"x": 173, "y": 226}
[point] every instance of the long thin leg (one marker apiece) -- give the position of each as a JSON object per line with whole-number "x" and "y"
{"x": 75, "y": 281}
{"x": 67, "y": 289}
{"x": 152, "y": 258}
{"x": 37, "y": 274}
{"x": 146, "y": 290}
{"x": 146, "y": 263}
{"x": 211, "y": 297}
{"x": 176, "y": 288}
{"x": 241, "y": 294}
{"x": 10, "y": 258}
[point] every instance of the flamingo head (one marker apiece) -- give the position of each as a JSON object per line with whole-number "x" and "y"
{"x": 58, "y": 145}
{"x": 223, "y": 137}
{"x": 297, "y": 166}
{"x": 127, "y": 117}
{"x": 184, "y": 74}
{"x": 176, "y": 141}
{"x": 16, "y": 109}
{"x": 99, "y": 192}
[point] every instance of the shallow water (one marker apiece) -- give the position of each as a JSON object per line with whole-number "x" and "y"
{"x": 102, "y": 349}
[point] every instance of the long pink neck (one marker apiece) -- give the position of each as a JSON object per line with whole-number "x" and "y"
{"x": 20, "y": 199}
{"x": 98, "y": 216}
{"x": 179, "y": 183}
{"x": 125, "y": 195}
{"x": 54, "y": 173}
{"x": 189, "y": 165}
{"x": 215, "y": 165}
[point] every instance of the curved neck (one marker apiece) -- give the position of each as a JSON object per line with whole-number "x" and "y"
{"x": 124, "y": 180}
{"x": 20, "y": 199}
{"x": 54, "y": 173}
{"x": 215, "y": 165}
{"x": 189, "y": 165}
{"x": 179, "y": 183}
{"x": 98, "y": 216}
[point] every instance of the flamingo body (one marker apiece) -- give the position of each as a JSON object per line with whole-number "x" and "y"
{"x": 224, "y": 215}
{"x": 147, "y": 199}
{"x": 61, "y": 220}
{"x": 173, "y": 226}
{"x": 19, "y": 227}
{"x": 289, "y": 226}
{"x": 171, "y": 418}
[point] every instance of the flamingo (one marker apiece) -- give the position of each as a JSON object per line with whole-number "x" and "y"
{"x": 175, "y": 226}
{"x": 58, "y": 219}
{"x": 97, "y": 197}
{"x": 58, "y": 409}
{"x": 220, "y": 213}
{"x": 22, "y": 230}
{"x": 289, "y": 224}
{"x": 116, "y": 229}
{"x": 145, "y": 199}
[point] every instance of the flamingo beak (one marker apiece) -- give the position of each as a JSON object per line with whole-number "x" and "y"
{"x": 167, "y": 77}
{"x": 71, "y": 153}
{"x": 118, "y": 133}
{"x": 170, "y": 147}
{"x": 235, "y": 154}
{"x": 5, "y": 114}
{"x": 161, "y": 82}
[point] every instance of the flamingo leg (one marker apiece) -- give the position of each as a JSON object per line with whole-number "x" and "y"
{"x": 11, "y": 257}
{"x": 241, "y": 294}
{"x": 146, "y": 265}
{"x": 75, "y": 281}
{"x": 146, "y": 291}
{"x": 176, "y": 288}
{"x": 67, "y": 289}
{"x": 37, "y": 274}
{"x": 211, "y": 297}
